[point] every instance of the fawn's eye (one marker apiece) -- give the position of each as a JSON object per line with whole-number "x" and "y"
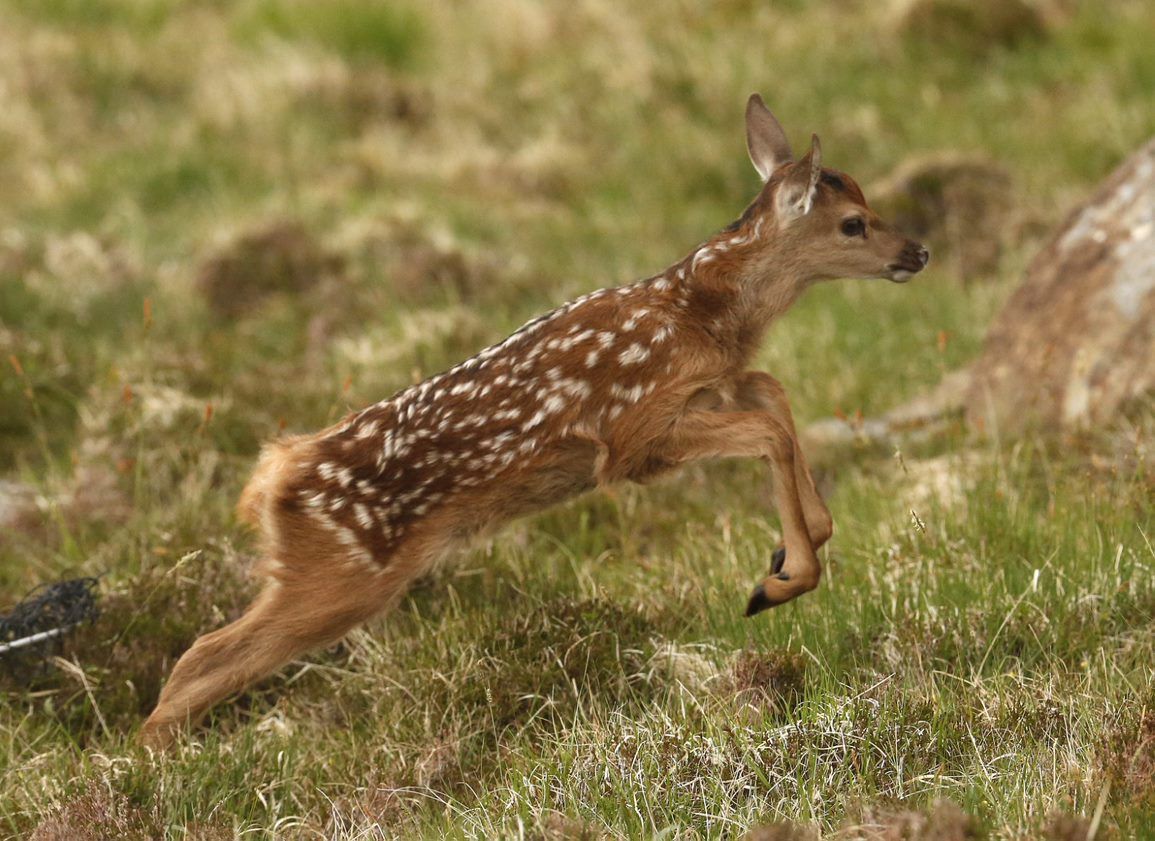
{"x": 854, "y": 227}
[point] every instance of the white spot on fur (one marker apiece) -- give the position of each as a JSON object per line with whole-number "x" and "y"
{"x": 576, "y": 388}
{"x": 629, "y": 395}
{"x": 633, "y": 355}
{"x": 703, "y": 255}
{"x": 313, "y": 499}
{"x": 634, "y": 318}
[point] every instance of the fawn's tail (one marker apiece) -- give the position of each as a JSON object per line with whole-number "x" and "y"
{"x": 274, "y": 467}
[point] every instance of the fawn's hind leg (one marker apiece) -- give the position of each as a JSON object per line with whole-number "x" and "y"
{"x": 288, "y": 618}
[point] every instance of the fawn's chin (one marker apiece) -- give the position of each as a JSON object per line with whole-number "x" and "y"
{"x": 900, "y": 276}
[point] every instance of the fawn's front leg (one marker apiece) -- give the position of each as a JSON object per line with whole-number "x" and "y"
{"x": 707, "y": 434}
{"x": 758, "y": 390}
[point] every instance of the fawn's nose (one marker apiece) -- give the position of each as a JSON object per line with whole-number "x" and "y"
{"x": 914, "y": 256}
{"x": 911, "y": 261}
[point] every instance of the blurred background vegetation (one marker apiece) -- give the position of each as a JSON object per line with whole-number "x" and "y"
{"x": 220, "y": 220}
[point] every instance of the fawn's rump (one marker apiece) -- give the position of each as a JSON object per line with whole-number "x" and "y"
{"x": 274, "y": 466}
{"x": 289, "y": 542}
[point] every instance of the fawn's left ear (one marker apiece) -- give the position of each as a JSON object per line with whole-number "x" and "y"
{"x": 765, "y": 139}
{"x": 796, "y": 193}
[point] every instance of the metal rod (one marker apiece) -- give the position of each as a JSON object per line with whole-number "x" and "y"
{"x": 32, "y": 640}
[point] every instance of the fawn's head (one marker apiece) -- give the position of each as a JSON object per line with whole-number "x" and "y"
{"x": 819, "y": 217}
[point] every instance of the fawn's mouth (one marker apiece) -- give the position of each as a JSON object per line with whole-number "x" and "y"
{"x": 910, "y": 262}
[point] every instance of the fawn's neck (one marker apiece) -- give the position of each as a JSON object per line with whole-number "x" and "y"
{"x": 736, "y": 284}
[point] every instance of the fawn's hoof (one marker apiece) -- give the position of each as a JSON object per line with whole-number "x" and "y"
{"x": 759, "y": 601}
{"x": 777, "y": 559}
{"x": 159, "y": 737}
{"x": 779, "y": 588}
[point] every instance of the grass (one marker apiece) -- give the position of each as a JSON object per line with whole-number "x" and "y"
{"x": 423, "y": 179}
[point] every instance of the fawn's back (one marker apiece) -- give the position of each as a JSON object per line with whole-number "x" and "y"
{"x": 515, "y": 428}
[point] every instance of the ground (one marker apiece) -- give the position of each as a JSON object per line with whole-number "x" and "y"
{"x": 223, "y": 220}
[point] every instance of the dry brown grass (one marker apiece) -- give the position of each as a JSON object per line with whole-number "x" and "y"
{"x": 97, "y": 814}
{"x": 1127, "y": 755}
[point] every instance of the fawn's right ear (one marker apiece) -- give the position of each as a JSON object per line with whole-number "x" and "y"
{"x": 765, "y": 140}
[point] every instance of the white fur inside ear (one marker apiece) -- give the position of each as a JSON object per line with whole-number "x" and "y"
{"x": 807, "y": 200}
{"x": 764, "y": 168}
{"x": 794, "y": 202}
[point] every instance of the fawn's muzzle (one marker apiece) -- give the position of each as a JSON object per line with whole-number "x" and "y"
{"x": 910, "y": 262}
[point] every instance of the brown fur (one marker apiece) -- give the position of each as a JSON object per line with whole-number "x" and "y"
{"x": 622, "y": 384}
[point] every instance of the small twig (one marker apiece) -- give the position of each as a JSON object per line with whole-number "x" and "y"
{"x": 77, "y": 672}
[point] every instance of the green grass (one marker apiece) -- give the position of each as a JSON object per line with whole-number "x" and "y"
{"x": 372, "y": 32}
{"x": 984, "y": 632}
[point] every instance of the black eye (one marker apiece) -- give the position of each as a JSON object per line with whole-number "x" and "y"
{"x": 854, "y": 227}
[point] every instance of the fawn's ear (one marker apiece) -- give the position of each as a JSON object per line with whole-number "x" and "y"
{"x": 796, "y": 194}
{"x": 765, "y": 140}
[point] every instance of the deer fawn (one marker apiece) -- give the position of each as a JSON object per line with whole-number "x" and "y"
{"x": 620, "y": 384}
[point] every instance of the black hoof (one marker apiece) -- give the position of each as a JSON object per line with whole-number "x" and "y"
{"x": 777, "y": 559}
{"x": 758, "y": 601}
